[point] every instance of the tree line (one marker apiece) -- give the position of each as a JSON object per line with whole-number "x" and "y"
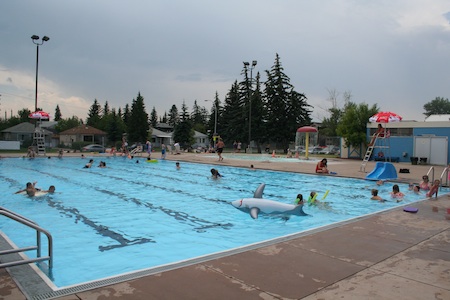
{"x": 263, "y": 112}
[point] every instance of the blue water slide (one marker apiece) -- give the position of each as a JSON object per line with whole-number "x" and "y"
{"x": 382, "y": 171}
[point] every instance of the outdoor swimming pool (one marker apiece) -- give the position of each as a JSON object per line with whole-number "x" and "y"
{"x": 133, "y": 216}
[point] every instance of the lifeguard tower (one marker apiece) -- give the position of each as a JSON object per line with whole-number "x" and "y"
{"x": 379, "y": 146}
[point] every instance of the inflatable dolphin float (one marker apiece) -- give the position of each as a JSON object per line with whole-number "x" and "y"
{"x": 256, "y": 205}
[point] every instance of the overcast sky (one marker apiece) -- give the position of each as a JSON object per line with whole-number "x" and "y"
{"x": 393, "y": 53}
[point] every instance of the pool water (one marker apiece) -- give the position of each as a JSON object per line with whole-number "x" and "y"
{"x": 132, "y": 216}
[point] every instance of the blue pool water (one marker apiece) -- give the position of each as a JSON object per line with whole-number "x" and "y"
{"x": 132, "y": 216}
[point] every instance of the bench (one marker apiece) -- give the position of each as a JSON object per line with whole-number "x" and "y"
{"x": 393, "y": 159}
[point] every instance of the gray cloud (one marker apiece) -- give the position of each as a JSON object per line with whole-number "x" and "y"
{"x": 394, "y": 53}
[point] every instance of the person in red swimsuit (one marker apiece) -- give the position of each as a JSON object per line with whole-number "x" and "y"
{"x": 321, "y": 166}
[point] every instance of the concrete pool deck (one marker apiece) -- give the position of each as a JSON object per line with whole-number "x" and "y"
{"x": 389, "y": 255}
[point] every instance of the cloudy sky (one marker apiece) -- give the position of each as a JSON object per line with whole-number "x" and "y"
{"x": 394, "y": 53}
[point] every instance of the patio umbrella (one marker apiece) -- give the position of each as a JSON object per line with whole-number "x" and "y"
{"x": 39, "y": 115}
{"x": 385, "y": 117}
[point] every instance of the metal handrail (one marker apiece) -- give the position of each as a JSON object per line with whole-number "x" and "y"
{"x": 432, "y": 175}
{"x": 445, "y": 172}
{"x": 27, "y": 222}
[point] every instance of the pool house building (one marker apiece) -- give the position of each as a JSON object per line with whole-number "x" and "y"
{"x": 416, "y": 142}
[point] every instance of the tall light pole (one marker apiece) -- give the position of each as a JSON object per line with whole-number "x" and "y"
{"x": 247, "y": 66}
{"x": 215, "y": 118}
{"x": 35, "y": 40}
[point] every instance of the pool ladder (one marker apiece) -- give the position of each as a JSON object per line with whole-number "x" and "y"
{"x": 27, "y": 222}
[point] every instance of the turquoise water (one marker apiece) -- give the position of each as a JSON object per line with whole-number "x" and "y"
{"x": 132, "y": 216}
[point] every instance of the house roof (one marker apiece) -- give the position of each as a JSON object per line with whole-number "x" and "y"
{"x": 24, "y": 127}
{"x": 83, "y": 129}
{"x": 161, "y": 134}
{"x": 199, "y": 135}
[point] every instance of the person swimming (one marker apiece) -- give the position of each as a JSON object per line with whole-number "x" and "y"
{"x": 215, "y": 173}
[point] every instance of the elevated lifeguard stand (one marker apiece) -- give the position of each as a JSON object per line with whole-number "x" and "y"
{"x": 380, "y": 145}
{"x": 305, "y": 136}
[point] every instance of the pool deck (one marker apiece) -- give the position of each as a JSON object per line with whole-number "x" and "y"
{"x": 389, "y": 255}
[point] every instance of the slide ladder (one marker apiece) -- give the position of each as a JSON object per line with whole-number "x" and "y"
{"x": 366, "y": 158}
{"x": 39, "y": 138}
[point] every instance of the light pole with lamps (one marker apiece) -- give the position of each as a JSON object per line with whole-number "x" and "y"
{"x": 215, "y": 118}
{"x": 35, "y": 40}
{"x": 247, "y": 66}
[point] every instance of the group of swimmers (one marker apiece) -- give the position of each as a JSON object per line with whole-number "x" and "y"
{"x": 430, "y": 189}
{"x": 31, "y": 189}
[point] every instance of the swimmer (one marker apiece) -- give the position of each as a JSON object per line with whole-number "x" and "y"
{"x": 434, "y": 189}
{"x": 425, "y": 183}
{"x": 89, "y": 164}
{"x": 102, "y": 164}
{"x": 299, "y": 199}
{"x": 380, "y": 182}
{"x": 396, "y": 193}
{"x": 30, "y": 189}
{"x": 215, "y": 173}
{"x": 375, "y": 195}
{"x": 177, "y": 165}
{"x": 416, "y": 189}
{"x": 312, "y": 198}
{"x": 50, "y": 190}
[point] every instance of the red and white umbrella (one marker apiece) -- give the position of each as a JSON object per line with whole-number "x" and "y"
{"x": 385, "y": 117}
{"x": 39, "y": 115}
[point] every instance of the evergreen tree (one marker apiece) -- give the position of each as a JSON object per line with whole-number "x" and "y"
{"x": 258, "y": 115}
{"x": 164, "y": 118}
{"x": 126, "y": 114}
{"x": 138, "y": 124}
{"x": 153, "y": 118}
{"x": 183, "y": 132}
{"x": 212, "y": 118}
{"x": 115, "y": 127}
{"x": 105, "y": 111}
{"x": 198, "y": 117}
{"x": 94, "y": 115}
{"x": 57, "y": 113}
{"x": 174, "y": 118}
{"x": 286, "y": 109}
{"x": 233, "y": 116}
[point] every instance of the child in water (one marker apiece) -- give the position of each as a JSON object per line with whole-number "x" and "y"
{"x": 434, "y": 188}
{"x": 396, "y": 193}
{"x": 375, "y": 195}
{"x": 299, "y": 199}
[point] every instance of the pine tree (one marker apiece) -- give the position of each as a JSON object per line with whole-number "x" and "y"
{"x": 286, "y": 109}
{"x": 233, "y": 116}
{"x": 94, "y": 115}
{"x": 153, "y": 118}
{"x": 57, "y": 113}
{"x": 183, "y": 132}
{"x": 138, "y": 124}
{"x": 198, "y": 117}
{"x": 174, "y": 118}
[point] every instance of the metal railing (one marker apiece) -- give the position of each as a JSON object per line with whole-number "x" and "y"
{"x": 444, "y": 173}
{"x": 431, "y": 170}
{"x": 27, "y": 222}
